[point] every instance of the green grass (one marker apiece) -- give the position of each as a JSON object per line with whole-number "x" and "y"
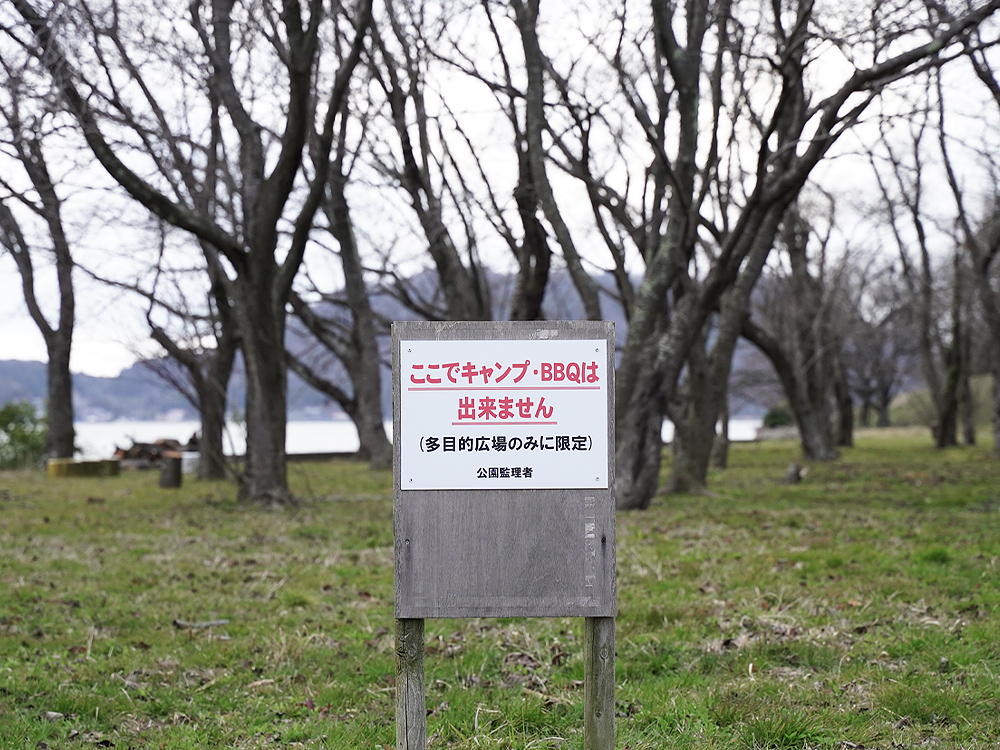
{"x": 859, "y": 606}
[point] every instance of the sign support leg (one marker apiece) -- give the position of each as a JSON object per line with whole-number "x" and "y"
{"x": 599, "y": 683}
{"x": 411, "y": 712}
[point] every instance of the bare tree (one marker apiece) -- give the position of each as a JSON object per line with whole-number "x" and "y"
{"x": 344, "y": 323}
{"x": 705, "y": 213}
{"x": 936, "y": 288}
{"x": 878, "y": 346}
{"x": 423, "y": 165}
{"x": 474, "y": 188}
{"x": 536, "y": 123}
{"x": 980, "y": 237}
{"x": 26, "y": 122}
{"x": 162, "y": 103}
{"x": 795, "y": 323}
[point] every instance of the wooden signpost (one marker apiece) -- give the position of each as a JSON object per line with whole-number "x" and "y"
{"x": 503, "y": 436}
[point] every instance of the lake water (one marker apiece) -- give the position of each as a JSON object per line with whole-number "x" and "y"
{"x": 99, "y": 439}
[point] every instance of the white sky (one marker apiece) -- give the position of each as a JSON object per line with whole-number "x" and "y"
{"x": 110, "y": 327}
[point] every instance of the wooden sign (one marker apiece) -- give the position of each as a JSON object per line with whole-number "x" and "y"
{"x": 503, "y": 435}
{"x": 504, "y": 493}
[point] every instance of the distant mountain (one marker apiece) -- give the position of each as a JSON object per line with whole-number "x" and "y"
{"x": 139, "y": 393}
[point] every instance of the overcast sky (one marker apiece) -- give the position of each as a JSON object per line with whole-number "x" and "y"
{"x": 110, "y": 327}
{"x": 107, "y": 331}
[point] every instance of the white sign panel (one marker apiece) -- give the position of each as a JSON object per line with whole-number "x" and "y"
{"x": 510, "y": 414}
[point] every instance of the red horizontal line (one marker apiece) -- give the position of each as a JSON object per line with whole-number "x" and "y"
{"x": 494, "y": 424}
{"x": 504, "y": 388}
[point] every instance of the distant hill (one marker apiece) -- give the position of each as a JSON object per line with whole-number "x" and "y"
{"x": 139, "y": 393}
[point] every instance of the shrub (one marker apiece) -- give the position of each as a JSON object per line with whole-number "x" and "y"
{"x": 778, "y": 416}
{"x": 23, "y": 436}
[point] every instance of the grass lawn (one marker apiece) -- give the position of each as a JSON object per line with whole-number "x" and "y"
{"x": 858, "y": 608}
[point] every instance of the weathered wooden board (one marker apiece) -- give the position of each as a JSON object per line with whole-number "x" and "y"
{"x": 599, "y": 683}
{"x": 508, "y": 552}
{"x": 411, "y": 713}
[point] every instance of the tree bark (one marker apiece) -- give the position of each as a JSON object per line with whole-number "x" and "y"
{"x": 639, "y": 442}
{"x": 61, "y": 432}
{"x": 534, "y": 255}
{"x": 720, "y": 449}
{"x": 644, "y": 381}
{"x": 865, "y": 416}
{"x": 842, "y": 396}
{"x": 884, "y": 401}
{"x": 694, "y": 425}
{"x": 947, "y": 401}
{"x": 967, "y": 408}
{"x": 265, "y": 475}
{"x": 212, "y": 462}
{"x": 733, "y": 309}
{"x": 991, "y": 305}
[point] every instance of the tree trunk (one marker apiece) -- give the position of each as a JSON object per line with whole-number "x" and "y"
{"x": 946, "y": 427}
{"x": 884, "y": 401}
{"x": 212, "y": 407}
{"x": 996, "y": 399}
{"x": 658, "y": 338}
{"x": 809, "y": 350}
{"x": 533, "y": 255}
{"x": 865, "y": 417}
{"x": 967, "y": 409}
{"x": 61, "y": 432}
{"x": 265, "y": 476}
{"x": 720, "y": 449}
{"x": 814, "y": 432}
{"x": 212, "y": 462}
{"x": 694, "y": 426}
{"x": 709, "y": 377}
{"x": 60, "y": 441}
{"x": 526, "y": 14}
{"x": 945, "y": 430}
{"x": 638, "y": 432}
{"x": 983, "y": 262}
{"x": 375, "y": 446}
{"x": 692, "y": 455}
{"x": 845, "y": 406}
